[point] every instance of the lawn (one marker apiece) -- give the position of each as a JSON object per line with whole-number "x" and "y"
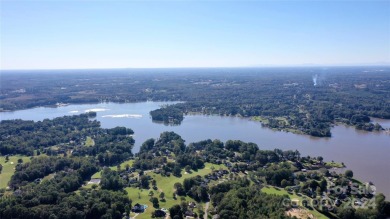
{"x": 89, "y": 142}
{"x": 9, "y": 168}
{"x": 123, "y": 166}
{"x": 165, "y": 184}
{"x": 260, "y": 119}
{"x": 333, "y": 164}
{"x": 48, "y": 177}
{"x": 275, "y": 191}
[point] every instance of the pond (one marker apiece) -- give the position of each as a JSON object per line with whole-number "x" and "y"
{"x": 366, "y": 153}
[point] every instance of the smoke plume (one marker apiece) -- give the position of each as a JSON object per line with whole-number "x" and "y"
{"x": 315, "y": 80}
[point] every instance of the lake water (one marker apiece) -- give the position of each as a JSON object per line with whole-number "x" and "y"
{"x": 366, "y": 153}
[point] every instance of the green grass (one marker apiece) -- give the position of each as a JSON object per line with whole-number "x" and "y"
{"x": 260, "y": 119}
{"x": 357, "y": 181}
{"x": 8, "y": 168}
{"x": 123, "y": 166}
{"x": 334, "y": 164}
{"x": 274, "y": 191}
{"x": 283, "y": 119}
{"x": 48, "y": 177}
{"x": 89, "y": 142}
{"x": 165, "y": 184}
{"x": 89, "y": 186}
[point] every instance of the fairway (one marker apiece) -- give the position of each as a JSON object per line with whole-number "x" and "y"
{"x": 9, "y": 168}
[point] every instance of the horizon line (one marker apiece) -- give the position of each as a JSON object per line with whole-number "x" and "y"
{"x": 202, "y": 67}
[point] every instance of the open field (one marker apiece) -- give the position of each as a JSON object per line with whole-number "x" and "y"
{"x": 9, "y": 168}
{"x": 165, "y": 184}
{"x": 123, "y": 166}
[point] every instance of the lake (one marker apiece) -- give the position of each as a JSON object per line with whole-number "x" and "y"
{"x": 366, "y": 153}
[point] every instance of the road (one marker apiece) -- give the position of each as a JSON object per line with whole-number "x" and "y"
{"x": 206, "y": 208}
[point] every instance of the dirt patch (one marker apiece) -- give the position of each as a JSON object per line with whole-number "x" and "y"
{"x": 299, "y": 213}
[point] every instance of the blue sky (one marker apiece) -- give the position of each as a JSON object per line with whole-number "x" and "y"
{"x": 133, "y": 34}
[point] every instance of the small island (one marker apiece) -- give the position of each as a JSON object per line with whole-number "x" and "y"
{"x": 70, "y": 166}
{"x": 167, "y": 115}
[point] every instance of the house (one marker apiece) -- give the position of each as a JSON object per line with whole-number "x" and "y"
{"x": 18, "y": 192}
{"x": 192, "y": 205}
{"x": 138, "y": 208}
{"x": 94, "y": 181}
{"x": 189, "y": 214}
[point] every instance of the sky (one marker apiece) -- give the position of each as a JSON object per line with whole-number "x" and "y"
{"x": 53, "y": 34}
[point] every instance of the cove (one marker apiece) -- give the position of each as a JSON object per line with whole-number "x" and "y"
{"x": 366, "y": 153}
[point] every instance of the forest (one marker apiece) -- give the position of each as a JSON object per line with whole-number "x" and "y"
{"x": 236, "y": 178}
{"x": 281, "y": 98}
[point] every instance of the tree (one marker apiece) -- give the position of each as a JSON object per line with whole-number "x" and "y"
{"x": 20, "y": 160}
{"x": 175, "y": 211}
{"x": 111, "y": 180}
{"x": 184, "y": 206}
{"x": 318, "y": 191}
{"x": 202, "y": 193}
{"x": 6, "y": 158}
{"x": 188, "y": 168}
{"x": 323, "y": 185}
{"x": 304, "y": 203}
{"x": 349, "y": 173}
{"x": 179, "y": 188}
{"x": 144, "y": 182}
{"x": 162, "y": 196}
{"x": 284, "y": 183}
{"x": 201, "y": 213}
{"x": 155, "y": 202}
{"x": 346, "y": 213}
{"x": 1, "y": 168}
{"x": 176, "y": 171}
{"x": 382, "y": 206}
